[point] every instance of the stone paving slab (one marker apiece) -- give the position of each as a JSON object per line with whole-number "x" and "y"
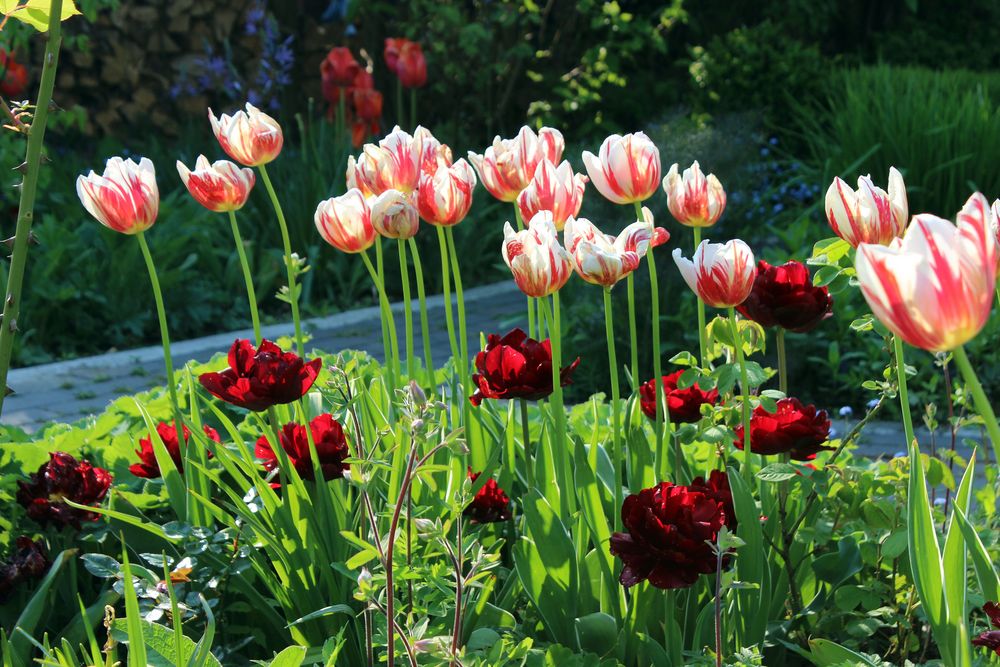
{"x": 70, "y": 390}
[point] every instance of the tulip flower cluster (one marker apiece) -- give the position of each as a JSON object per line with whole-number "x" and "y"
{"x": 345, "y": 80}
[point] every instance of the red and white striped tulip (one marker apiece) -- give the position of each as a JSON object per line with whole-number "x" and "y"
{"x": 870, "y": 214}
{"x": 602, "y": 259}
{"x": 934, "y": 288}
{"x": 660, "y": 234}
{"x": 721, "y": 274}
{"x": 432, "y": 151}
{"x": 694, "y": 199}
{"x": 394, "y": 164}
{"x": 345, "y": 222}
{"x": 627, "y": 169}
{"x": 125, "y": 198}
{"x": 506, "y": 167}
{"x": 220, "y": 186}
{"x": 996, "y": 219}
{"x": 554, "y": 189}
{"x": 541, "y": 266}
{"x": 444, "y": 197}
{"x": 394, "y": 215}
{"x": 353, "y": 175}
{"x": 250, "y": 137}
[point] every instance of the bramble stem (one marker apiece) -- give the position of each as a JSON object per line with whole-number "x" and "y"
{"x": 247, "y": 277}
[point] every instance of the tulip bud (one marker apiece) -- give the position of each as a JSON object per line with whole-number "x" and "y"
{"x": 627, "y": 170}
{"x": 125, "y": 198}
{"x": 444, "y": 197}
{"x": 554, "y": 189}
{"x": 869, "y": 215}
{"x": 250, "y": 137}
{"x": 345, "y": 222}
{"x": 934, "y": 287}
{"x": 394, "y": 215}
{"x": 539, "y": 263}
{"x": 694, "y": 199}
{"x": 602, "y": 259}
{"x": 220, "y": 186}
{"x": 721, "y": 274}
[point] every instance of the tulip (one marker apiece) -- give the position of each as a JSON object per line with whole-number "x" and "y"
{"x": 554, "y": 189}
{"x": 250, "y": 137}
{"x": 934, "y": 288}
{"x": 262, "y": 377}
{"x": 411, "y": 67}
{"x": 628, "y": 169}
{"x": 794, "y": 429}
{"x": 490, "y": 505}
{"x": 15, "y": 76}
{"x": 996, "y": 219}
{"x": 148, "y": 467}
{"x": 516, "y": 366}
{"x": 368, "y": 109}
{"x": 684, "y": 405}
{"x": 601, "y": 259}
{"x": 328, "y": 438}
{"x": 784, "y": 296}
{"x": 507, "y": 166}
{"x": 391, "y": 52}
{"x": 354, "y": 177}
{"x": 394, "y": 215}
{"x": 432, "y": 152}
{"x": 534, "y": 255}
{"x": 125, "y": 198}
{"x": 339, "y": 68}
{"x": 220, "y": 186}
{"x": 394, "y": 164}
{"x": 869, "y": 215}
{"x": 28, "y": 560}
{"x": 721, "y": 275}
{"x": 694, "y": 199}
{"x": 345, "y": 222}
{"x": 444, "y": 197}
{"x": 63, "y": 478}
{"x": 717, "y": 488}
{"x": 670, "y": 531}
{"x": 991, "y": 638}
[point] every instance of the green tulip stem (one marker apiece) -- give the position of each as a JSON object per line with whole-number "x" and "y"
{"x": 247, "y": 277}
{"x": 617, "y": 456}
{"x": 424, "y": 324}
{"x": 744, "y": 394}
{"x": 404, "y": 272}
{"x": 702, "y": 338}
{"x": 979, "y": 396}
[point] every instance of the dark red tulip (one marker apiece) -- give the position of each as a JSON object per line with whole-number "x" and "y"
{"x": 258, "y": 378}
{"x": 329, "y": 439}
{"x": 794, "y": 429}
{"x": 670, "y": 531}
{"x": 391, "y": 52}
{"x": 717, "y": 488}
{"x": 516, "y": 366}
{"x": 28, "y": 560}
{"x": 147, "y": 467}
{"x": 15, "y": 76}
{"x": 411, "y": 67}
{"x": 684, "y": 404}
{"x": 339, "y": 68}
{"x": 991, "y": 638}
{"x": 784, "y": 296}
{"x": 63, "y": 477}
{"x": 490, "y": 505}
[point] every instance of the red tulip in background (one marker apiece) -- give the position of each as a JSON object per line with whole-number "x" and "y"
{"x": 147, "y": 467}
{"x": 391, "y": 51}
{"x": 329, "y": 439}
{"x": 338, "y": 69}
{"x": 991, "y": 638}
{"x": 717, "y": 488}
{"x": 784, "y": 296}
{"x": 15, "y": 76}
{"x": 411, "y": 67}
{"x": 28, "y": 560}
{"x": 794, "y": 429}
{"x": 63, "y": 477}
{"x": 516, "y": 366}
{"x": 671, "y": 529}
{"x": 684, "y": 405}
{"x": 490, "y": 505}
{"x": 258, "y": 378}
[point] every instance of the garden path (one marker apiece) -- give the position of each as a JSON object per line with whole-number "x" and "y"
{"x": 68, "y": 391}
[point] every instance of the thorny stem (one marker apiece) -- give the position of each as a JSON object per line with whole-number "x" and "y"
{"x": 29, "y": 185}
{"x": 247, "y": 276}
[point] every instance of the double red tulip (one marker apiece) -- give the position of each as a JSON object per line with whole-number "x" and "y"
{"x": 684, "y": 405}
{"x": 991, "y": 638}
{"x": 61, "y": 478}
{"x": 490, "y": 505}
{"x": 794, "y": 429}
{"x": 516, "y": 366}
{"x": 717, "y": 488}
{"x": 670, "y": 531}
{"x": 147, "y": 467}
{"x": 15, "y": 76}
{"x": 328, "y": 438}
{"x": 28, "y": 560}
{"x": 259, "y": 378}
{"x": 784, "y": 296}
